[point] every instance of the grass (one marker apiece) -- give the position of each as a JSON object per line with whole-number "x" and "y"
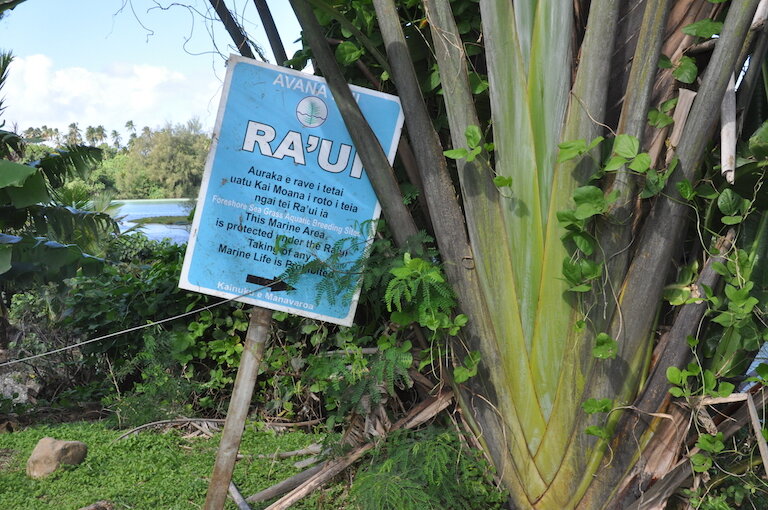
{"x": 163, "y": 220}
{"x": 149, "y": 470}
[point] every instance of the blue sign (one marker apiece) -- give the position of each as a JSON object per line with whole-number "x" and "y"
{"x": 284, "y": 188}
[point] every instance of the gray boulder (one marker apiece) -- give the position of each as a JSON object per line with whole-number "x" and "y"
{"x": 21, "y": 386}
{"x": 51, "y": 453}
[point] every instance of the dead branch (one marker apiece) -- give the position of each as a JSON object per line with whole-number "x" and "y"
{"x": 286, "y": 485}
{"x": 296, "y": 424}
{"x": 343, "y": 352}
{"x": 682, "y": 472}
{"x": 204, "y": 431}
{"x": 421, "y": 413}
{"x": 309, "y": 461}
{"x": 169, "y": 422}
{"x": 312, "y": 449}
{"x": 329, "y": 471}
{"x": 234, "y": 493}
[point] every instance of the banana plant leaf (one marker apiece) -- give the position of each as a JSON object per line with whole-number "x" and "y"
{"x": 24, "y": 258}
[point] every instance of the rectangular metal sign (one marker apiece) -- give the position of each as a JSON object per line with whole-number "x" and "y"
{"x": 283, "y": 186}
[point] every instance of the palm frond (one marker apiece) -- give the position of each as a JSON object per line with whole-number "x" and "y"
{"x": 11, "y": 144}
{"x": 8, "y": 4}
{"x": 88, "y": 230}
{"x": 73, "y": 161}
{"x": 6, "y": 57}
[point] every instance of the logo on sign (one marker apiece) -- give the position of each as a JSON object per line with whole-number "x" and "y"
{"x": 311, "y": 111}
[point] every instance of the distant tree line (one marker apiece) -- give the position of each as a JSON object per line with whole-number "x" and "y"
{"x": 161, "y": 163}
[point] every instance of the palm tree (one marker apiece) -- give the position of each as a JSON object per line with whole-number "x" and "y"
{"x": 131, "y": 128}
{"x": 90, "y": 135}
{"x": 73, "y": 135}
{"x": 116, "y": 138}
{"x": 100, "y": 133}
{"x": 46, "y": 133}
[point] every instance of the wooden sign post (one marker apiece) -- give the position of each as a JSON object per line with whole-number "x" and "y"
{"x": 283, "y": 186}
{"x": 255, "y": 339}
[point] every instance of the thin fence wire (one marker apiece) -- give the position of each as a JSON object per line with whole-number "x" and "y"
{"x": 129, "y": 330}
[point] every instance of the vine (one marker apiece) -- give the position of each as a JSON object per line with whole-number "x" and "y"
{"x": 734, "y": 327}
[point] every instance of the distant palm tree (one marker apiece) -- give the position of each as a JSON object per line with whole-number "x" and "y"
{"x": 131, "y": 127}
{"x": 90, "y": 135}
{"x": 194, "y": 125}
{"x": 73, "y": 135}
{"x": 116, "y": 139}
{"x": 46, "y": 132}
{"x": 100, "y": 133}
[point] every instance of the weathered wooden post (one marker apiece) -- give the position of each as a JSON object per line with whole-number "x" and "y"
{"x": 255, "y": 338}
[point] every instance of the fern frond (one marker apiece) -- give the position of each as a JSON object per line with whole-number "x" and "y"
{"x": 448, "y": 475}
{"x": 384, "y": 491}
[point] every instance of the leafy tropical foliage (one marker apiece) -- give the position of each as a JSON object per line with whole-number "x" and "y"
{"x": 165, "y": 163}
{"x": 38, "y": 236}
{"x": 425, "y": 469}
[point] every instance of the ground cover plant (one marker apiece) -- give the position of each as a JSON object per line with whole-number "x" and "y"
{"x": 165, "y": 469}
{"x": 344, "y": 377}
{"x": 147, "y": 470}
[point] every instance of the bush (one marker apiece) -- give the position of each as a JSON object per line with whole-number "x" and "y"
{"x": 35, "y": 315}
{"x": 187, "y": 366}
{"x": 148, "y": 365}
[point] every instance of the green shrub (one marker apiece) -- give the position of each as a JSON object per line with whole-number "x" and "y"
{"x": 175, "y": 366}
{"x": 187, "y": 366}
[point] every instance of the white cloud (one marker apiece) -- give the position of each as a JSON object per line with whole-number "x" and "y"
{"x": 37, "y": 93}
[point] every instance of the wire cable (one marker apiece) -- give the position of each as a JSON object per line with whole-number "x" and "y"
{"x": 129, "y": 330}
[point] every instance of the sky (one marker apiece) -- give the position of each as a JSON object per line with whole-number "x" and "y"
{"x": 105, "y": 62}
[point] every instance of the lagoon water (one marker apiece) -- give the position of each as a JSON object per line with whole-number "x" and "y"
{"x": 130, "y": 210}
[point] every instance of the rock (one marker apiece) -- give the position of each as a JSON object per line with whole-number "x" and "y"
{"x": 8, "y": 426}
{"x": 99, "y": 505}
{"x": 51, "y": 453}
{"x": 20, "y": 386}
